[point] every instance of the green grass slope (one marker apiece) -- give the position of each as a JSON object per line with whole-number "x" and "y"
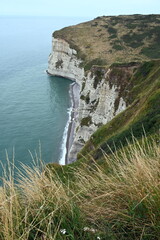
{"x": 141, "y": 117}
{"x": 110, "y": 39}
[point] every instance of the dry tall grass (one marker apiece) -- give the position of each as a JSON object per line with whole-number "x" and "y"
{"x": 120, "y": 200}
{"x": 126, "y": 194}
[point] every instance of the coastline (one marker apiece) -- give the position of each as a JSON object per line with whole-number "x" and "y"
{"x": 68, "y": 135}
{"x": 74, "y": 96}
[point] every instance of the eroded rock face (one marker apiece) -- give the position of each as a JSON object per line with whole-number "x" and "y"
{"x": 102, "y": 92}
{"x": 63, "y": 61}
{"x": 96, "y": 107}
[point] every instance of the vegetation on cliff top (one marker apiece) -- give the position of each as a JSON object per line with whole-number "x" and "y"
{"x": 106, "y": 40}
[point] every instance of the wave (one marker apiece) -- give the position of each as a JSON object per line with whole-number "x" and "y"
{"x": 64, "y": 139}
{"x": 62, "y": 160}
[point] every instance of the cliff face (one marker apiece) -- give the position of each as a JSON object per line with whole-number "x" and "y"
{"x": 141, "y": 117}
{"x": 102, "y": 91}
{"x": 96, "y": 107}
{"x": 63, "y": 61}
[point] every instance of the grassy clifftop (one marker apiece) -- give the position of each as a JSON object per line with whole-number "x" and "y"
{"x": 105, "y": 40}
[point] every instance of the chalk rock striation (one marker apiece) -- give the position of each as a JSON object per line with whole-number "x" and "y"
{"x": 63, "y": 61}
{"x": 103, "y": 91}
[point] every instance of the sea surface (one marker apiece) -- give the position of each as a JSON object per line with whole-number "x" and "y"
{"x": 34, "y": 108}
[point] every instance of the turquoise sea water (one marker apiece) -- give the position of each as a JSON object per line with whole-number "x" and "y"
{"x": 33, "y": 106}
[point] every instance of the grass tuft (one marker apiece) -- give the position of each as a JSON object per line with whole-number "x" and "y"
{"x": 120, "y": 200}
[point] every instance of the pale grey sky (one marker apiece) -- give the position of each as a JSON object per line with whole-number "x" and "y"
{"x": 79, "y": 8}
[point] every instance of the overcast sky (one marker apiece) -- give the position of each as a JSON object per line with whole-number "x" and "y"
{"x": 79, "y": 8}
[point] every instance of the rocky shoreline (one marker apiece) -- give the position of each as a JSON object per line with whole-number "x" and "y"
{"x": 74, "y": 96}
{"x": 74, "y": 92}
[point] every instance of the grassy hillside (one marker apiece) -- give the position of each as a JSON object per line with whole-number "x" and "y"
{"x": 120, "y": 201}
{"x": 142, "y": 115}
{"x": 106, "y": 40}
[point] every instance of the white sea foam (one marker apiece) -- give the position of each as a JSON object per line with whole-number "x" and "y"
{"x": 65, "y": 134}
{"x": 64, "y": 139}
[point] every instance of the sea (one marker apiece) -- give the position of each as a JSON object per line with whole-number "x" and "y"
{"x": 34, "y": 107}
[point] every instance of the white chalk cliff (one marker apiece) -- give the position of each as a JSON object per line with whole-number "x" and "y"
{"x": 63, "y": 61}
{"x": 98, "y": 94}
